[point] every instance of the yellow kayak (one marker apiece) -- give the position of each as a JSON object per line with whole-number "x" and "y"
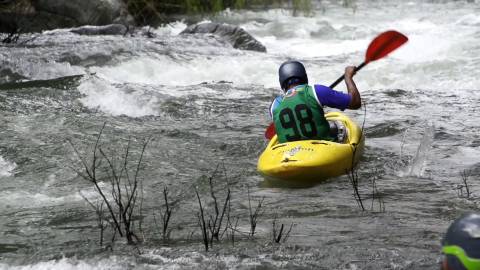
{"x": 312, "y": 161}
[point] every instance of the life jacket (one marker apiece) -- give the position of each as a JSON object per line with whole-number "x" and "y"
{"x": 300, "y": 116}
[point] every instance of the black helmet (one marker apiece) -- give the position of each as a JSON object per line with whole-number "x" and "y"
{"x": 461, "y": 244}
{"x": 292, "y": 70}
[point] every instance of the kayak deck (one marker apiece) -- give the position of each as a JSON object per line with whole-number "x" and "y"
{"x": 312, "y": 161}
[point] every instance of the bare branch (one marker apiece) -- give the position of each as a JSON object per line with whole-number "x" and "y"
{"x": 253, "y": 216}
{"x": 201, "y": 220}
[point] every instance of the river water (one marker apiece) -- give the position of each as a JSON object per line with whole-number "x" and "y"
{"x": 205, "y": 105}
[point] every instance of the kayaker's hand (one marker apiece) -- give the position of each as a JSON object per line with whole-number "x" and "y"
{"x": 355, "y": 99}
{"x": 350, "y": 71}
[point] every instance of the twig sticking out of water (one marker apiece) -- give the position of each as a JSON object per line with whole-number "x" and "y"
{"x": 215, "y": 227}
{"x": 102, "y": 221}
{"x": 278, "y": 235}
{"x": 165, "y": 215}
{"x": 201, "y": 222}
{"x": 215, "y": 222}
{"x": 232, "y": 228}
{"x": 465, "y": 175}
{"x": 352, "y": 173}
{"x": 253, "y": 216}
{"x": 353, "y": 178}
{"x": 376, "y": 194}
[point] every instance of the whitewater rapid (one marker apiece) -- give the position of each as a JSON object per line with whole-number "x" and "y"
{"x": 440, "y": 55}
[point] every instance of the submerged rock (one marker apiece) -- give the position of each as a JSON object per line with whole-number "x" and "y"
{"x": 38, "y": 15}
{"x": 239, "y": 38}
{"x": 111, "y": 29}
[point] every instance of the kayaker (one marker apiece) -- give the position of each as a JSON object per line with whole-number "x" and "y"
{"x": 461, "y": 244}
{"x": 298, "y": 114}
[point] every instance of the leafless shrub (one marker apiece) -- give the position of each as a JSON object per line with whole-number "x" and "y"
{"x": 231, "y": 222}
{"x": 215, "y": 226}
{"x": 215, "y": 221}
{"x": 464, "y": 186}
{"x": 375, "y": 196}
{"x": 123, "y": 196}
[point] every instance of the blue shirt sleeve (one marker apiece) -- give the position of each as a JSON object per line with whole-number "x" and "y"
{"x": 326, "y": 96}
{"x": 274, "y": 105}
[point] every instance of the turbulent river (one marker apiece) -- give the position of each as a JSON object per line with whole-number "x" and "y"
{"x": 205, "y": 106}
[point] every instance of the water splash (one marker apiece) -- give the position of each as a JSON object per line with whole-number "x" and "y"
{"x": 417, "y": 165}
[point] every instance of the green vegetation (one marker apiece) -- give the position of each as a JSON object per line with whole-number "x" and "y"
{"x": 159, "y": 11}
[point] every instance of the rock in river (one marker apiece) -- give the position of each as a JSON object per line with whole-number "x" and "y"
{"x": 38, "y": 15}
{"x": 111, "y": 29}
{"x": 239, "y": 38}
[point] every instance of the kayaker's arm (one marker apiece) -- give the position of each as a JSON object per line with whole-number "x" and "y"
{"x": 355, "y": 99}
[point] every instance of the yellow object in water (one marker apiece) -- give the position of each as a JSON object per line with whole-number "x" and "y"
{"x": 312, "y": 161}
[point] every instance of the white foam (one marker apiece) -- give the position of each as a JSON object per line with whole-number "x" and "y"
{"x": 25, "y": 198}
{"x": 110, "y": 99}
{"x": 37, "y": 69}
{"x": 70, "y": 264}
{"x": 301, "y": 48}
{"x": 432, "y": 48}
{"x": 171, "y": 29}
{"x": 42, "y": 197}
{"x": 243, "y": 69}
{"x": 465, "y": 156}
{"x": 188, "y": 259}
{"x": 469, "y": 19}
{"x": 6, "y": 167}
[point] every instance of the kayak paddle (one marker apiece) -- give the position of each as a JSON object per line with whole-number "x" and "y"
{"x": 380, "y": 47}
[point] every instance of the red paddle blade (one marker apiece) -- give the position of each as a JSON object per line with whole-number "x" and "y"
{"x": 384, "y": 44}
{"x": 270, "y": 132}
